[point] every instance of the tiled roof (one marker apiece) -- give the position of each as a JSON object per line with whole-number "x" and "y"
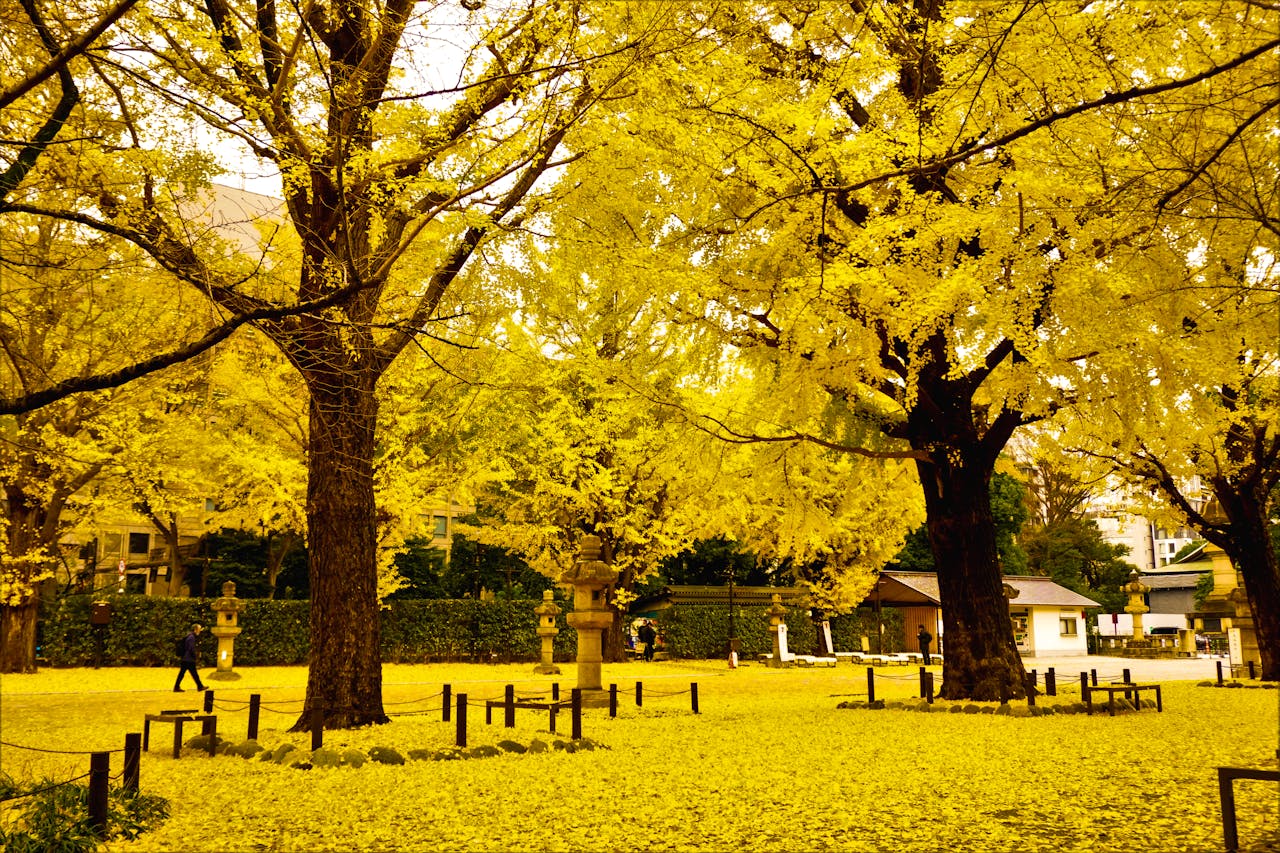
{"x": 898, "y": 588}
{"x": 1182, "y": 580}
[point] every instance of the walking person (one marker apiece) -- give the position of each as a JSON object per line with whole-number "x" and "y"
{"x": 190, "y": 659}
{"x": 925, "y": 639}
{"x": 648, "y": 636}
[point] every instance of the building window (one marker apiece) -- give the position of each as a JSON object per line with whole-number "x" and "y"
{"x": 139, "y": 543}
{"x": 441, "y": 529}
{"x": 1067, "y": 627}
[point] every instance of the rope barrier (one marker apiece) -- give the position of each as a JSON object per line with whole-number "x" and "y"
{"x": 58, "y": 751}
{"x": 47, "y": 788}
{"x": 411, "y": 701}
{"x": 226, "y": 708}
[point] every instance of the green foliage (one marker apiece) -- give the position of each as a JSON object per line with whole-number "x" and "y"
{"x": 1204, "y": 586}
{"x": 1073, "y": 553}
{"x": 275, "y": 633}
{"x": 703, "y": 631}
{"x": 713, "y": 561}
{"x": 56, "y": 820}
{"x": 241, "y": 557}
{"x": 1187, "y": 549}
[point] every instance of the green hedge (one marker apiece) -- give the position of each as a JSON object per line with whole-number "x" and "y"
{"x": 703, "y": 631}
{"x": 274, "y": 632}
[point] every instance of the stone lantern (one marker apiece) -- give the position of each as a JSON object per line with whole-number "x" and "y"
{"x": 226, "y": 629}
{"x": 591, "y": 616}
{"x": 778, "y": 628}
{"x": 1136, "y": 589}
{"x": 547, "y": 612}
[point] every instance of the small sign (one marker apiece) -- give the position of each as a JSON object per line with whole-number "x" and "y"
{"x": 782, "y": 640}
{"x": 1235, "y": 654}
{"x": 827, "y": 646}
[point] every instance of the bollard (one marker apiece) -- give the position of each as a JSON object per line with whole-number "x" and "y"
{"x": 446, "y": 690}
{"x": 555, "y": 691}
{"x": 132, "y": 756}
{"x": 1251, "y": 674}
{"x": 576, "y": 700}
{"x": 639, "y": 694}
{"x": 509, "y": 708}
{"x": 871, "y": 685}
{"x": 613, "y": 700}
{"x": 1093, "y": 677}
{"x": 99, "y": 775}
{"x": 693, "y": 696}
{"x": 1051, "y": 682}
{"x": 210, "y": 729}
{"x": 255, "y": 706}
{"x": 208, "y": 701}
{"x": 1084, "y": 685}
{"x": 488, "y": 714}
{"x": 1219, "y": 663}
{"x": 923, "y": 678}
{"x": 1125, "y": 675}
{"x": 461, "y": 739}
{"x": 928, "y": 684}
{"x": 317, "y": 728}
{"x": 1035, "y": 678}
{"x": 1032, "y": 690}
{"x": 554, "y": 706}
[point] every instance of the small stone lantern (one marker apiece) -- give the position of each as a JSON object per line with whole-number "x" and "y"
{"x": 1136, "y": 589}
{"x": 778, "y": 628}
{"x": 226, "y": 629}
{"x": 591, "y": 616}
{"x": 547, "y": 612}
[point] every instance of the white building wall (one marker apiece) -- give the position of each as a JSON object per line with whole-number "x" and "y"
{"x": 1048, "y": 639}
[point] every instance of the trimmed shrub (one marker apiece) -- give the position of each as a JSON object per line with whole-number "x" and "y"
{"x": 703, "y": 631}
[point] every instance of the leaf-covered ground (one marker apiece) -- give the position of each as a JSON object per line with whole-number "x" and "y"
{"x": 769, "y": 764}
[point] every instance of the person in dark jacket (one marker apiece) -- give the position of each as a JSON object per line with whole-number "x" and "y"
{"x": 190, "y": 659}
{"x": 648, "y": 636}
{"x": 925, "y": 639}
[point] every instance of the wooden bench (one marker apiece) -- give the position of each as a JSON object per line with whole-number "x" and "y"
{"x": 208, "y": 726}
{"x": 1128, "y": 689}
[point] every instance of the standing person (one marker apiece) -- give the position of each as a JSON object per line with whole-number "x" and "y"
{"x": 190, "y": 659}
{"x": 648, "y": 636}
{"x": 925, "y": 639}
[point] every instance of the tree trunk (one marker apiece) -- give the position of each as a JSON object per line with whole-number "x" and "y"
{"x": 18, "y": 636}
{"x": 345, "y": 666}
{"x": 1251, "y": 551}
{"x": 980, "y": 658}
{"x": 24, "y": 567}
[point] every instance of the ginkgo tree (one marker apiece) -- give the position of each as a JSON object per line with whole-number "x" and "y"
{"x": 915, "y": 209}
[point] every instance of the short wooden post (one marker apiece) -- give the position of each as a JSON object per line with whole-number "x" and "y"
{"x": 554, "y": 706}
{"x": 132, "y": 761}
{"x": 555, "y": 691}
{"x": 1084, "y": 685}
{"x": 1032, "y": 690}
{"x": 509, "y": 708}
{"x": 1251, "y": 670}
{"x": 693, "y": 696}
{"x": 208, "y": 701}
{"x": 613, "y": 700}
{"x": 1051, "y": 682}
{"x": 639, "y": 694}
{"x": 210, "y": 730}
{"x": 99, "y": 775}
{"x": 923, "y": 678}
{"x": 1125, "y": 675}
{"x": 461, "y": 739}
{"x": 255, "y": 709}
{"x": 928, "y": 685}
{"x": 1219, "y": 665}
{"x": 1035, "y": 678}
{"x": 317, "y": 728}
{"x": 447, "y": 692}
{"x": 1093, "y": 677}
{"x": 871, "y": 684}
{"x": 488, "y": 714}
{"x": 576, "y": 700}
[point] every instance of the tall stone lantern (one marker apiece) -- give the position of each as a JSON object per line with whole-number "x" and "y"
{"x": 1136, "y": 589}
{"x": 226, "y": 629}
{"x": 591, "y": 616}
{"x": 547, "y": 612}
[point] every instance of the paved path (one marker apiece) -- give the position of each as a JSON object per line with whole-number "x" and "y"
{"x": 1140, "y": 669}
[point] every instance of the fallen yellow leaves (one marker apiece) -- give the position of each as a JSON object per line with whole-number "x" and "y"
{"x": 769, "y": 764}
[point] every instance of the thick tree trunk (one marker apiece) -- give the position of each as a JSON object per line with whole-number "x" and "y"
{"x": 345, "y": 666}
{"x": 18, "y": 636}
{"x": 1251, "y": 552}
{"x": 980, "y": 656}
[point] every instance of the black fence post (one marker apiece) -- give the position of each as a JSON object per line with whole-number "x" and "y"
{"x": 208, "y": 701}
{"x": 488, "y": 713}
{"x": 132, "y": 761}
{"x": 1251, "y": 671}
{"x": 693, "y": 696}
{"x": 509, "y": 708}
{"x": 613, "y": 700}
{"x": 871, "y": 684}
{"x": 1219, "y": 665}
{"x": 1084, "y": 685}
{"x": 923, "y": 678}
{"x": 99, "y": 775}
{"x": 1032, "y": 690}
{"x": 554, "y": 706}
{"x": 555, "y": 691}
{"x": 447, "y": 691}
{"x": 639, "y": 694}
{"x": 461, "y": 739}
{"x": 1035, "y": 678}
{"x": 1093, "y": 677}
{"x": 210, "y": 730}
{"x": 928, "y": 685}
{"x": 317, "y": 728}
{"x": 255, "y": 708}
{"x": 576, "y": 700}
{"x": 1125, "y": 675}
{"x": 1051, "y": 682}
